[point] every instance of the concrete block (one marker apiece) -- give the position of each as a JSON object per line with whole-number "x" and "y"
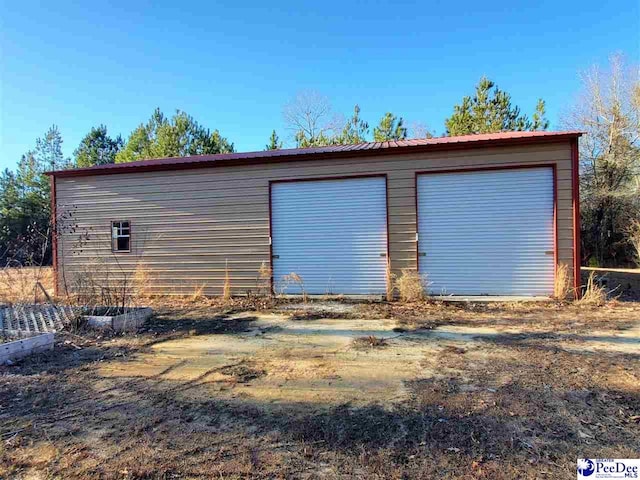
{"x": 17, "y": 349}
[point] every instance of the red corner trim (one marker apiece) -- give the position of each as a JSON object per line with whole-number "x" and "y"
{"x": 54, "y": 234}
{"x": 575, "y": 196}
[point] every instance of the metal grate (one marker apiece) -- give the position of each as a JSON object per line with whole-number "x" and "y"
{"x": 32, "y": 319}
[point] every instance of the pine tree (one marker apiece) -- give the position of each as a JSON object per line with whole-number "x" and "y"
{"x": 490, "y": 110}
{"x": 97, "y": 148}
{"x": 389, "y": 128}
{"x": 355, "y": 130}
{"x": 179, "y": 136}
{"x": 274, "y": 142}
{"x": 25, "y": 206}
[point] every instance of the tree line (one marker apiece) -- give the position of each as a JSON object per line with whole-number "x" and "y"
{"x": 608, "y": 110}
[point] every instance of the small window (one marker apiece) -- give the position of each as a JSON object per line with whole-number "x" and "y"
{"x": 120, "y": 236}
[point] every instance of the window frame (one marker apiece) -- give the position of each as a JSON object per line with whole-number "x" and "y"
{"x": 112, "y": 238}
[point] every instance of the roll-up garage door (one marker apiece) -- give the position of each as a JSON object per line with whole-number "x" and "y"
{"x": 330, "y": 233}
{"x": 487, "y": 232}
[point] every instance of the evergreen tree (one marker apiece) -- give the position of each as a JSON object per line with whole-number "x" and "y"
{"x": 274, "y": 142}
{"x": 303, "y": 140}
{"x": 490, "y": 110}
{"x": 179, "y": 136}
{"x": 389, "y": 128}
{"x": 97, "y": 148}
{"x": 355, "y": 131}
{"x": 25, "y": 205}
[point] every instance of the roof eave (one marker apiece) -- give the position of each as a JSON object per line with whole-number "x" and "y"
{"x": 181, "y": 164}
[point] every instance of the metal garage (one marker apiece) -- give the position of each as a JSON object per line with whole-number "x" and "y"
{"x": 332, "y": 233}
{"x": 488, "y": 232}
{"x": 489, "y": 214}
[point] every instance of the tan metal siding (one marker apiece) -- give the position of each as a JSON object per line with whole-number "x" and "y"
{"x": 187, "y": 224}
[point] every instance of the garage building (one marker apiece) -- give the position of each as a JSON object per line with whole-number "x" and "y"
{"x": 491, "y": 214}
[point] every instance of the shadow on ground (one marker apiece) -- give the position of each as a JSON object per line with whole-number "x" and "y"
{"x": 507, "y": 406}
{"x": 168, "y": 323}
{"x": 147, "y": 429}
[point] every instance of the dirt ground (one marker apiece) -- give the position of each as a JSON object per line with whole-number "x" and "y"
{"x": 331, "y": 391}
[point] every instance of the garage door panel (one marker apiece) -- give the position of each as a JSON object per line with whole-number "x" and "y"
{"x": 487, "y": 233}
{"x": 331, "y": 233}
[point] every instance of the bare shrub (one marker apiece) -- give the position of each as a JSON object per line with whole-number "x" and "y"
{"x": 294, "y": 279}
{"x": 411, "y": 285}
{"x": 594, "y": 293}
{"x": 633, "y": 234}
{"x": 263, "y": 282}
{"x": 95, "y": 285}
{"x": 562, "y": 287}
{"x": 102, "y": 282}
{"x": 85, "y": 287}
{"x": 101, "y": 279}
{"x": 608, "y": 112}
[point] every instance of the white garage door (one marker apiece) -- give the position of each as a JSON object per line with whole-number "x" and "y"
{"x": 487, "y": 232}
{"x": 331, "y": 233}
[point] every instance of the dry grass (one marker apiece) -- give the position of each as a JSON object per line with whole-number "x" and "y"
{"x": 411, "y": 286}
{"x": 19, "y": 285}
{"x": 562, "y": 286}
{"x": 574, "y": 317}
{"x": 226, "y": 287}
{"x": 513, "y": 406}
{"x": 142, "y": 280}
{"x": 198, "y": 294}
{"x": 294, "y": 279}
{"x": 263, "y": 281}
{"x": 594, "y": 294}
{"x": 389, "y": 278}
{"x": 368, "y": 341}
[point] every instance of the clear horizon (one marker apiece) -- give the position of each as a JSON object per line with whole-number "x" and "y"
{"x": 234, "y": 66}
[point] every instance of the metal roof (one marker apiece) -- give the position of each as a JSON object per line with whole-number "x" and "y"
{"x": 315, "y": 153}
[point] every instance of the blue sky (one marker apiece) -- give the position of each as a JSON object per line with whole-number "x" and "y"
{"x": 234, "y": 64}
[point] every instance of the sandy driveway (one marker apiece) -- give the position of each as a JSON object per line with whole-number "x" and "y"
{"x": 464, "y": 391}
{"x": 276, "y": 359}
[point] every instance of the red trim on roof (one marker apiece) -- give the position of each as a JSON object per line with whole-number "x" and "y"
{"x": 330, "y": 151}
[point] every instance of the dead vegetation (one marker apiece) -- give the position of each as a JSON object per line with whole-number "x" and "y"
{"x": 20, "y": 285}
{"x": 594, "y": 294}
{"x": 293, "y": 279}
{"x": 226, "y": 288}
{"x": 508, "y": 406}
{"x": 368, "y": 341}
{"x": 410, "y": 286}
{"x": 389, "y": 278}
{"x": 263, "y": 280}
{"x": 243, "y": 372}
{"x": 562, "y": 289}
{"x": 538, "y": 316}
